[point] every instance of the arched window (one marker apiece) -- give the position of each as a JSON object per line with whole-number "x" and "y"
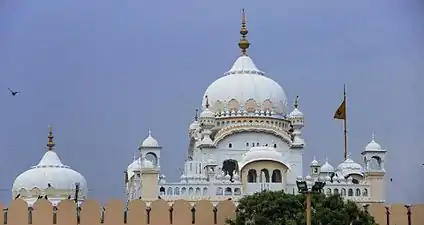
{"x": 229, "y": 166}
{"x": 152, "y": 157}
{"x": 365, "y": 192}
{"x": 169, "y": 191}
{"x": 177, "y": 191}
{"x": 228, "y": 191}
{"x": 350, "y": 192}
{"x": 375, "y": 163}
{"x": 251, "y": 176}
{"x": 162, "y": 190}
{"x": 355, "y": 181}
{"x": 328, "y": 192}
{"x": 264, "y": 178}
{"x": 358, "y": 192}
{"x": 219, "y": 191}
{"x": 237, "y": 191}
{"x": 230, "y": 145}
{"x": 343, "y": 192}
{"x": 276, "y": 176}
{"x": 336, "y": 191}
{"x": 275, "y": 145}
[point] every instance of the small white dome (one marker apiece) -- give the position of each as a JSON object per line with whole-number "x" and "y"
{"x": 373, "y": 145}
{"x": 349, "y": 167}
{"x": 296, "y": 113}
{"x": 50, "y": 172}
{"x": 263, "y": 153}
{"x": 207, "y": 114}
{"x": 194, "y": 125}
{"x": 327, "y": 167}
{"x": 150, "y": 142}
{"x": 315, "y": 162}
{"x": 245, "y": 81}
{"x": 134, "y": 166}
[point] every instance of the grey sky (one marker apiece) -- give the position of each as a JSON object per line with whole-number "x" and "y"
{"x": 103, "y": 72}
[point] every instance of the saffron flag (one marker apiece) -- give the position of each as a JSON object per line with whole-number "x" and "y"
{"x": 340, "y": 114}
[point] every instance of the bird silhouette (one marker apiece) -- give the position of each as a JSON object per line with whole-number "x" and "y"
{"x": 14, "y": 92}
{"x": 391, "y": 179}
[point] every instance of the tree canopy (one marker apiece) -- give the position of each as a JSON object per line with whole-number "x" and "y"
{"x": 279, "y": 208}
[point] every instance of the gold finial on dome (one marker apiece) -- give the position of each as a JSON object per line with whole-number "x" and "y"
{"x": 207, "y": 101}
{"x": 296, "y": 102}
{"x": 196, "y": 117}
{"x": 243, "y": 43}
{"x": 50, "y": 144}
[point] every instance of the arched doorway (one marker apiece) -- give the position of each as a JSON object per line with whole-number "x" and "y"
{"x": 229, "y": 166}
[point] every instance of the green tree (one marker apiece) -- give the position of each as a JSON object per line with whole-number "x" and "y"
{"x": 278, "y": 208}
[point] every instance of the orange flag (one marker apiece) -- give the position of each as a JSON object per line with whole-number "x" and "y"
{"x": 340, "y": 114}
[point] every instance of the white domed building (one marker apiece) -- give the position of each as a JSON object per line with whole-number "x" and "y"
{"x": 50, "y": 179}
{"x": 245, "y": 140}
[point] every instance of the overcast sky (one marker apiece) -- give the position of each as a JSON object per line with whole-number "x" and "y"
{"x": 105, "y": 71}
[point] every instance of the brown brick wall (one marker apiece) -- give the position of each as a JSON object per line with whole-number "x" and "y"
{"x": 160, "y": 213}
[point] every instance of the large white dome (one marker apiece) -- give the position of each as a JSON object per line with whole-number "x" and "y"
{"x": 242, "y": 84}
{"x": 51, "y": 178}
{"x": 262, "y": 153}
{"x": 50, "y": 172}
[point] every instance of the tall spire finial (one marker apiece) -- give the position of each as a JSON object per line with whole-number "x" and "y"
{"x": 207, "y": 101}
{"x": 150, "y": 132}
{"x": 243, "y": 43}
{"x": 50, "y": 144}
{"x": 196, "y": 117}
{"x": 373, "y": 136}
{"x": 296, "y": 102}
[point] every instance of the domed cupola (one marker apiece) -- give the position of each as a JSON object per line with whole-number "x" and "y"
{"x": 134, "y": 166}
{"x": 327, "y": 168}
{"x": 373, "y": 145}
{"x": 150, "y": 147}
{"x": 262, "y": 153}
{"x": 50, "y": 179}
{"x": 149, "y": 142}
{"x": 296, "y": 124}
{"x": 207, "y": 117}
{"x": 296, "y": 113}
{"x": 195, "y": 124}
{"x": 349, "y": 167}
{"x": 244, "y": 89}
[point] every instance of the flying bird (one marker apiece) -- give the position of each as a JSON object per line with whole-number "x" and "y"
{"x": 14, "y": 92}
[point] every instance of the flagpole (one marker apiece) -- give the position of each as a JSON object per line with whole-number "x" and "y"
{"x": 345, "y": 122}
